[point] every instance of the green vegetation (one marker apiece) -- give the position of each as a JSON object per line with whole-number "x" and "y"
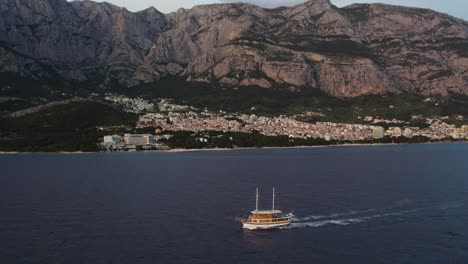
{"x": 250, "y": 100}
{"x": 14, "y": 85}
{"x": 280, "y": 56}
{"x": 341, "y": 46}
{"x": 71, "y": 127}
{"x": 271, "y": 102}
{"x": 216, "y": 139}
{"x": 9, "y": 105}
{"x": 250, "y": 37}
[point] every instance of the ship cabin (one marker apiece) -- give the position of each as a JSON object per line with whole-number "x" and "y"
{"x": 270, "y": 216}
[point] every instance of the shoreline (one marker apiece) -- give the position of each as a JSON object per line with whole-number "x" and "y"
{"x": 180, "y": 150}
{"x": 266, "y": 148}
{"x": 304, "y": 147}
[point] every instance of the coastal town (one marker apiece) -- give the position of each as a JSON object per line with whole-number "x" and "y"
{"x": 164, "y": 117}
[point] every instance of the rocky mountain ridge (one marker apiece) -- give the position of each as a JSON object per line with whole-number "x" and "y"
{"x": 351, "y": 51}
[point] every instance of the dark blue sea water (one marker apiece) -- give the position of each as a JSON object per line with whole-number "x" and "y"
{"x": 386, "y": 204}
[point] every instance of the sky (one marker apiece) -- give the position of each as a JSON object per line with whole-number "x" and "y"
{"x": 458, "y": 8}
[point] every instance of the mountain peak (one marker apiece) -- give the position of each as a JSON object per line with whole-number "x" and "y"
{"x": 150, "y": 11}
{"x": 309, "y": 8}
{"x": 322, "y": 3}
{"x": 317, "y": 2}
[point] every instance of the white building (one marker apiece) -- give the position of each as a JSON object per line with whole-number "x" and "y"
{"x": 408, "y": 133}
{"x": 393, "y": 132}
{"x": 139, "y": 139}
{"x": 112, "y": 140}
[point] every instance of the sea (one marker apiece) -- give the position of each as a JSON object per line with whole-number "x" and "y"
{"x": 359, "y": 204}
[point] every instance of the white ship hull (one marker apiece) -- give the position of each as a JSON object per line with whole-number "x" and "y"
{"x": 264, "y": 226}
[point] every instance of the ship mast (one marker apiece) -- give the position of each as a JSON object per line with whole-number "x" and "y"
{"x": 256, "y": 202}
{"x": 273, "y": 198}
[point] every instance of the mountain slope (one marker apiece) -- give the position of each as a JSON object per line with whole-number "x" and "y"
{"x": 428, "y": 49}
{"x": 76, "y": 41}
{"x": 351, "y": 51}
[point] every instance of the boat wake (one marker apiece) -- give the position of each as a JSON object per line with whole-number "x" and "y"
{"x": 349, "y": 213}
{"x": 337, "y": 219}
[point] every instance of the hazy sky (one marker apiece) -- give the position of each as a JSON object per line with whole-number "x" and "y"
{"x": 458, "y": 8}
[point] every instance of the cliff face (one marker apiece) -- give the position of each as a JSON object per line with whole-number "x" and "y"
{"x": 359, "y": 49}
{"x": 428, "y": 50}
{"x": 77, "y": 41}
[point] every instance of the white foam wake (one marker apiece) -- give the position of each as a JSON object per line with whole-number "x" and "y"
{"x": 345, "y": 221}
{"x": 334, "y": 215}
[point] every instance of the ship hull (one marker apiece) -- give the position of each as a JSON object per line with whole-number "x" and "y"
{"x": 264, "y": 226}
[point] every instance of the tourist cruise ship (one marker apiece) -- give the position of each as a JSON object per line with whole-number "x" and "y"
{"x": 267, "y": 219}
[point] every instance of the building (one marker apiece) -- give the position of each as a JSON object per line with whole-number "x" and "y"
{"x": 393, "y": 132}
{"x": 456, "y": 135}
{"x": 112, "y": 140}
{"x": 378, "y": 132}
{"x": 139, "y": 139}
{"x": 464, "y": 129}
{"x": 408, "y": 133}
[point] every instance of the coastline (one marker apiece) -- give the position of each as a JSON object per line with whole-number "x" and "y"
{"x": 266, "y": 148}
{"x": 301, "y": 147}
{"x": 43, "y": 152}
{"x": 180, "y": 150}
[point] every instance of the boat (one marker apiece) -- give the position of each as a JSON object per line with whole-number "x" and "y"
{"x": 267, "y": 219}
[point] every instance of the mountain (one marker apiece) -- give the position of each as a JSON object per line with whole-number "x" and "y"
{"x": 346, "y": 52}
{"x": 77, "y": 41}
